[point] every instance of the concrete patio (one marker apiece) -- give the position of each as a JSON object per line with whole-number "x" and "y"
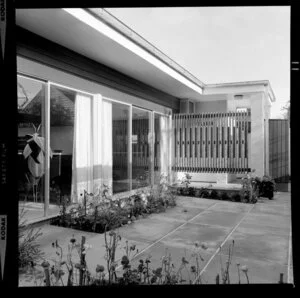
{"x": 262, "y": 235}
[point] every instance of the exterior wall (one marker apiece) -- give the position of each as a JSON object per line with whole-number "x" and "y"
{"x": 267, "y": 110}
{"x": 211, "y": 106}
{"x": 257, "y": 143}
{"x": 233, "y": 104}
{"x": 184, "y": 106}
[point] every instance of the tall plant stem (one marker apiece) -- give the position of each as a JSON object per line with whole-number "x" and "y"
{"x": 82, "y": 261}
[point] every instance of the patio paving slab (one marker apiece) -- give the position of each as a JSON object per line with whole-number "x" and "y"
{"x": 187, "y": 235}
{"x": 218, "y": 218}
{"x": 192, "y": 202}
{"x": 149, "y": 229}
{"x": 225, "y": 206}
{"x": 259, "y": 272}
{"x": 282, "y": 210}
{"x": 178, "y": 213}
{"x": 269, "y": 221}
{"x": 266, "y": 247}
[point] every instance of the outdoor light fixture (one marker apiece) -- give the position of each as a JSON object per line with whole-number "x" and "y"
{"x": 238, "y": 96}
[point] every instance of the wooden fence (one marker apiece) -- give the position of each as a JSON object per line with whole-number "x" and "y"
{"x": 279, "y": 150}
{"x": 211, "y": 142}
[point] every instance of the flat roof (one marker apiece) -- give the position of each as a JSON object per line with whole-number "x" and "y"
{"x": 245, "y": 83}
{"x": 122, "y": 28}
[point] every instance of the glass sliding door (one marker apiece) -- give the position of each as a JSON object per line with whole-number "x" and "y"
{"x": 141, "y": 149}
{"x": 62, "y": 113}
{"x": 161, "y": 146}
{"x": 120, "y": 137}
{"x": 31, "y": 145}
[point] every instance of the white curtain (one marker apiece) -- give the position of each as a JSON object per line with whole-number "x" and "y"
{"x": 97, "y": 144}
{"x": 92, "y": 146}
{"x": 165, "y": 144}
{"x": 107, "y": 150}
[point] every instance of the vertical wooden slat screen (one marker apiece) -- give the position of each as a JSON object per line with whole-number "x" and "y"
{"x": 279, "y": 150}
{"x": 211, "y": 142}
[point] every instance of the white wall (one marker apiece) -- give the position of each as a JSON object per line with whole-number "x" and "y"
{"x": 257, "y": 153}
{"x": 219, "y": 106}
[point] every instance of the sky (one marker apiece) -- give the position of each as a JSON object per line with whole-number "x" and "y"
{"x": 221, "y": 44}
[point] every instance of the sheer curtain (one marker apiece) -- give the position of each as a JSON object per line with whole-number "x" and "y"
{"x": 165, "y": 144}
{"x": 92, "y": 146}
{"x": 107, "y": 150}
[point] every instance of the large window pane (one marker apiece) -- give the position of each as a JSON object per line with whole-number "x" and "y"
{"x": 120, "y": 118}
{"x": 31, "y": 153}
{"x": 62, "y": 105}
{"x": 141, "y": 174}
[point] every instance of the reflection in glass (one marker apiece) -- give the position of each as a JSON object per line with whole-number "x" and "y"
{"x": 31, "y": 131}
{"x": 120, "y": 118}
{"x": 141, "y": 173}
{"x": 62, "y": 105}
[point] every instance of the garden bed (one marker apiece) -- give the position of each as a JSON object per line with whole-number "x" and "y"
{"x": 102, "y": 213}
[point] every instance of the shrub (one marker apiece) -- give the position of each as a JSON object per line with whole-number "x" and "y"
{"x": 192, "y": 191}
{"x": 205, "y": 193}
{"x": 198, "y": 192}
{"x": 225, "y": 196}
{"x": 214, "y": 195}
{"x": 236, "y": 197}
{"x": 267, "y": 187}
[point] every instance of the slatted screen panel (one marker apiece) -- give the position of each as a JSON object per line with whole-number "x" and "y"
{"x": 279, "y": 150}
{"x": 211, "y": 142}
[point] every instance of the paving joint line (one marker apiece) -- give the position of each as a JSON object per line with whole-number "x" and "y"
{"x": 224, "y": 241}
{"x": 168, "y": 234}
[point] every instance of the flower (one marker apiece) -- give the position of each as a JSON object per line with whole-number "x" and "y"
{"x": 99, "y": 268}
{"x": 112, "y": 233}
{"x": 132, "y": 247}
{"x": 244, "y": 268}
{"x": 125, "y": 260}
{"x": 73, "y": 240}
{"x": 148, "y": 259}
{"x": 45, "y": 264}
{"x": 193, "y": 269}
{"x": 184, "y": 261}
{"x": 197, "y": 244}
{"x": 204, "y": 246}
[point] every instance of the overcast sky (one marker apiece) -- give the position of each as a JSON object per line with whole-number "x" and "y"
{"x": 221, "y": 44}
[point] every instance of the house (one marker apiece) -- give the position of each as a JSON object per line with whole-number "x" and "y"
{"x": 109, "y": 103}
